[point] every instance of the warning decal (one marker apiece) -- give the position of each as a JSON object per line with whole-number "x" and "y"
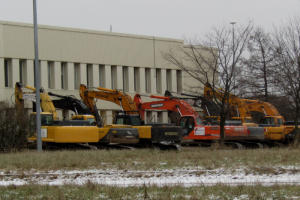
{"x": 199, "y": 130}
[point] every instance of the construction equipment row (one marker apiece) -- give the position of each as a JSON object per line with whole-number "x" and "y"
{"x": 129, "y": 128}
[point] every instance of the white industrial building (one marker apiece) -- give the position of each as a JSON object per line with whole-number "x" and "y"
{"x": 70, "y": 57}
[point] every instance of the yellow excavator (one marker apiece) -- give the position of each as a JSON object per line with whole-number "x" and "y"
{"x": 57, "y": 132}
{"x": 162, "y": 135}
{"x": 271, "y": 115}
{"x": 240, "y": 111}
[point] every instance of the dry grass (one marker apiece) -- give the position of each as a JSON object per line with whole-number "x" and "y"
{"x": 259, "y": 160}
{"x": 95, "y": 191}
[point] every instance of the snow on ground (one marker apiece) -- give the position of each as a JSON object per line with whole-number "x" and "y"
{"x": 136, "y": 178}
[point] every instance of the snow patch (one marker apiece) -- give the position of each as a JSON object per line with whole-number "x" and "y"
{"x": 126, "y": 178}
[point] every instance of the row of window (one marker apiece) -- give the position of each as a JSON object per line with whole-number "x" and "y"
{"x": 121, "y": 76}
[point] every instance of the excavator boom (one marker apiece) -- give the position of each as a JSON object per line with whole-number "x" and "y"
{"x": 261, "y": 106}
{"x": 238, "y": 106}
{"x": 209, "y": 107}
{"x": 116, "y": 96}
{"x": 179, "y": 106}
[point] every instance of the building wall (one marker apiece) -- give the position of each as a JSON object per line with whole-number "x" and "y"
{"x": 69, "y": 57}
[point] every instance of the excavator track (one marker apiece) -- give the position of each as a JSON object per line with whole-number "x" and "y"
{"x": 252, "y": 145}
{"x": 167, "y": 146}
{"x": 235, "y": 145}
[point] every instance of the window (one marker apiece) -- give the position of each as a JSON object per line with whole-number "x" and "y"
{"x": 113, "y": 77}
{"x": 169, "y": 83}
{"x": 269, "y": 120}
{"x": 89, "y": 74}
{"x": 21, "y": 65}
{"x": 76, "y": 75}
{"x": 150, "y": 117}
{"x": 179, "y": 80}
{"x": 158, "y": 80}
{"x": 160, "y": 117}
{"x": 50, "y": 74}
{"x": 125, "y": 79}
{"x": 136, "y": 72}
{"x": 147, "y": 80}
{"x": 279, "y": 121}
{"x": 101, "y": 76}
{"x": 6, "y": 72}
{"x": 63, "y": 75}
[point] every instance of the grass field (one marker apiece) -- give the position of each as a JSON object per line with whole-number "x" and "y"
{"x": 149, "y": 159}
{"x": 258, "y": 161}
{"x": 94, "y": 191}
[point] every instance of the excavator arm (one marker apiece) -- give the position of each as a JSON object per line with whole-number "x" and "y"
{"x": 116, "y": 96}
{"x": 166, "y": 103}
{"x": 239, "y": 108}
{"x": 46, "y": 102}
{"x": 263, "y": 107}
{"x": 209, "y": 107}
{"x": 70, "y": 103}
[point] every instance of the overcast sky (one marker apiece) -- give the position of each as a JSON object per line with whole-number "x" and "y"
{"x": 162, "y": 18}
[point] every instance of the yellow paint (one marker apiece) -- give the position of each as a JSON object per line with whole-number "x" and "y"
{"x": 144, "y": 132}
{"x": 73, "y": 134}
{"x": 274, "y": 133}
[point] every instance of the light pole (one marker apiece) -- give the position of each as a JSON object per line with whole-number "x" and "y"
{"x": 233, "y": 56}
{"x": 37, "y": 80}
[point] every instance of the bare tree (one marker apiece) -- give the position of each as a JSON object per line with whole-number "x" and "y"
{"x": 287, "y": 48}
{"x": 259, "y": 67}
{"x": 13, "y": 127}
{"x": 214, "y": 60}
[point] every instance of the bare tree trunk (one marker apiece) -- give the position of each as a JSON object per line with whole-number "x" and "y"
{"x": 266, "y": 83}
{"x": 296, "y": 139}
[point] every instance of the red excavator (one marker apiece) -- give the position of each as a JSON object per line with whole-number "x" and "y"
{"x": 194, "y": 127}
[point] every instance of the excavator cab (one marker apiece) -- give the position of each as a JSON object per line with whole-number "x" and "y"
{"x": 272, "y": 121}
{"x": 46, "y": 120}
{"x": 187, "y": 123}
{"x": 127, "y": 119}
{"x": 280, "y": 121}
{"x": 268, "y": 121}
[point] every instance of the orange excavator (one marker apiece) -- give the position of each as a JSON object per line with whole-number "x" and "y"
{"x": 194, "y": 127}
{"x": 239, "y": 110}
{"x": 158, "y": 134}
